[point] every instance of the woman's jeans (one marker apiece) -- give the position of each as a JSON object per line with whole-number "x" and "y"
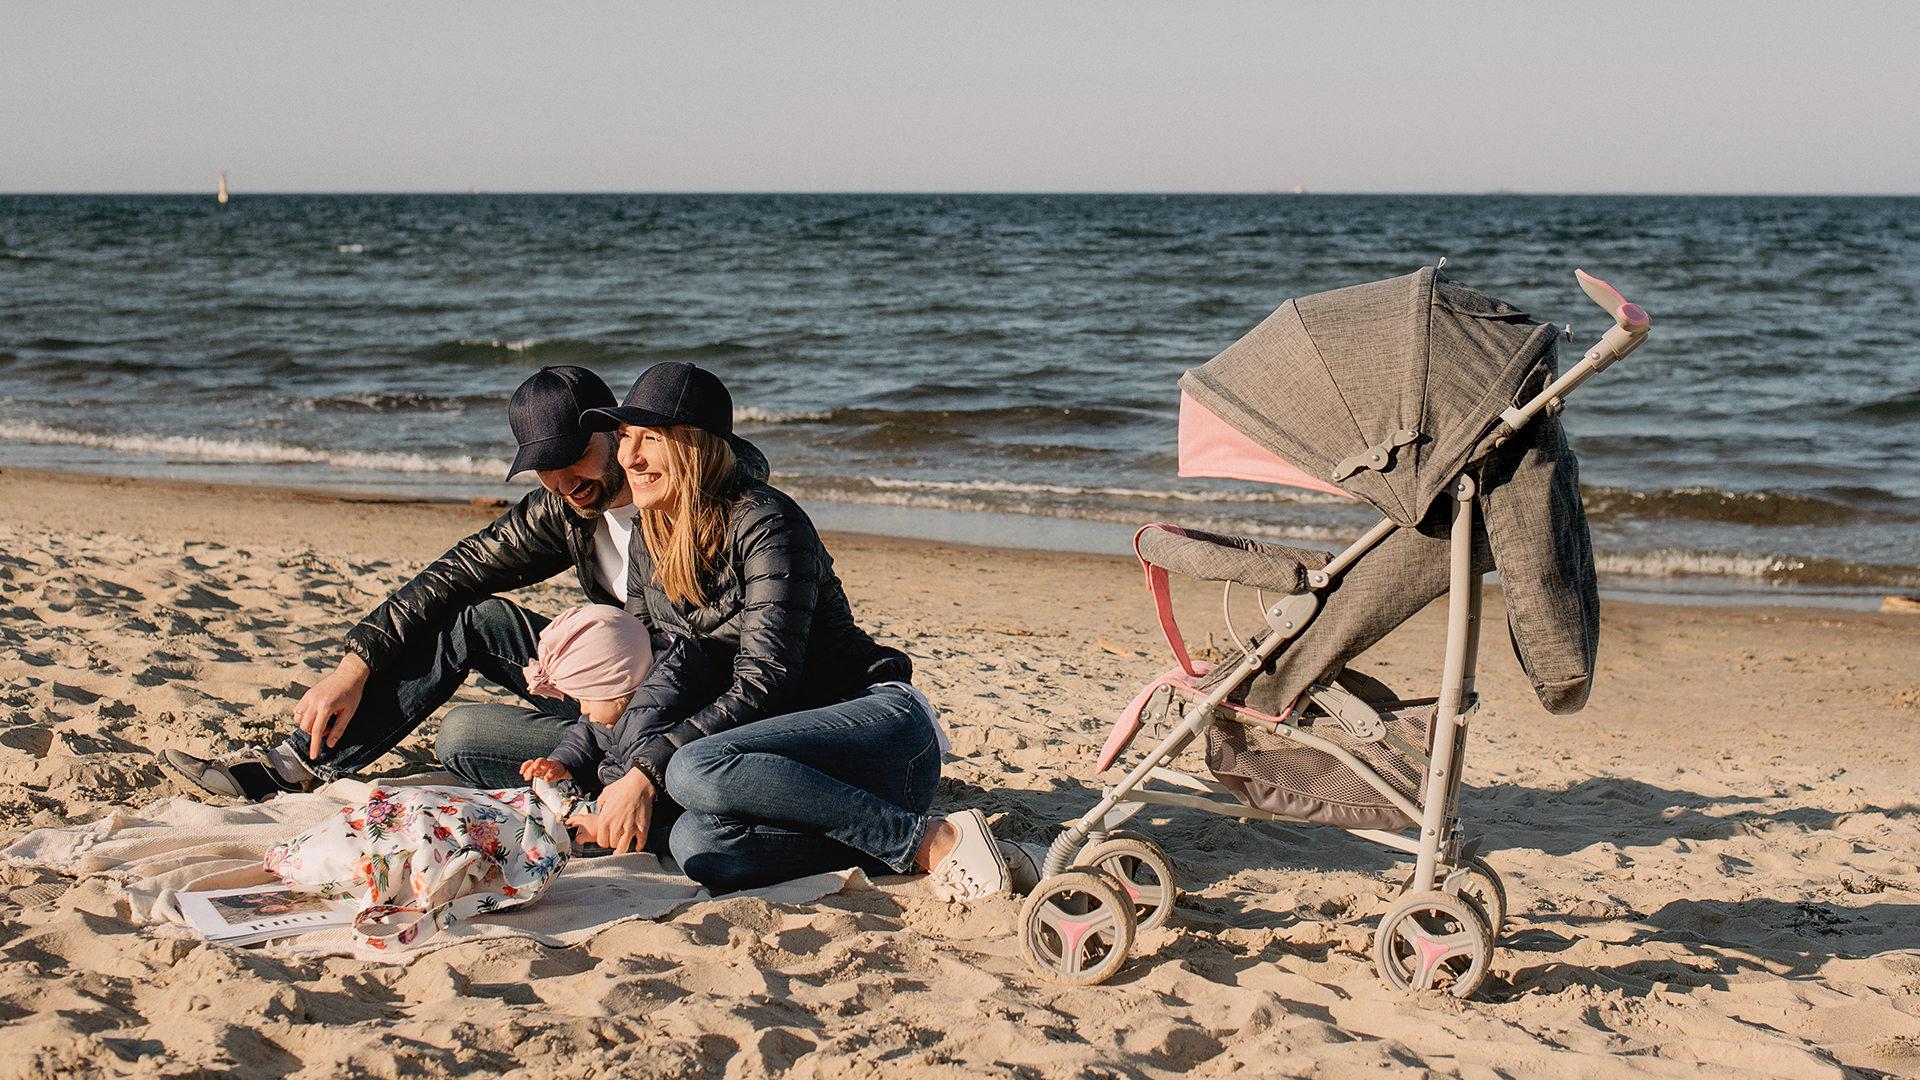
{"x": 844, "y": 785}
{"x": 482, "y": 744}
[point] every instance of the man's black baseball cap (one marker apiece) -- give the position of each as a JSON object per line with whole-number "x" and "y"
{"x": 545, "y": 415}
{"x": 669, "y": 393}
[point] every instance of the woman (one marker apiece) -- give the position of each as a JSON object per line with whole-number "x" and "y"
{"x": 816, "y": 754}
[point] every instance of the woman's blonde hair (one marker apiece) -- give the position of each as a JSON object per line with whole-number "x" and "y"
{"x": 686, "y": 542}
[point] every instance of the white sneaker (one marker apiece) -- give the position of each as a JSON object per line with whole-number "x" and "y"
{"x": 1023, "y": 865}
{"x": 974, "y": 868}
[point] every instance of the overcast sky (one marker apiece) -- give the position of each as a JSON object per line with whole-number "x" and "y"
{"x": 961, "y": 96}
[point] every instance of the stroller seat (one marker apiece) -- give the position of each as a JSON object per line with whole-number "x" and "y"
{"x": 1301, "y": 783}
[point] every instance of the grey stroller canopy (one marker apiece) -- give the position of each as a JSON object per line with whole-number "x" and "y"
{"x": 1413, "y": 369}
{"x": 1386, "y": 391}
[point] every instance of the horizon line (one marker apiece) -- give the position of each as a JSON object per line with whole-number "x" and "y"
{"x": 1265, "y": 192}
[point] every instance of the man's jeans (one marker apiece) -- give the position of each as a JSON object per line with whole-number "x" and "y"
{"x": 482, "y": 744}
{"x": 845, "y": 785}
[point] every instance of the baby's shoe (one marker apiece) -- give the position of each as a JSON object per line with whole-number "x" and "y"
{"x": 974, "y": 868}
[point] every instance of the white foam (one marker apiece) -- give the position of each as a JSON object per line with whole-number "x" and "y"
{"x": 1012, "y": 487}
{"x": 350, "y": 249}
{"x": 750, "y": 414}
{"x": 519, "y": 346}
{"x": 199, "y": 448}
{"x": 1677, "y": 562}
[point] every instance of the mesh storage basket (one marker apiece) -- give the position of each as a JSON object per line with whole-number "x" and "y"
{"x": 1283, "y": 777}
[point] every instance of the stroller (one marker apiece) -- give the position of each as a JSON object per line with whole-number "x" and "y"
{"x": 1439, "y": 406}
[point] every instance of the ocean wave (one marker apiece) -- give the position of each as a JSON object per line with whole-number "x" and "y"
{"x": 1034, "y": 501}
{"x": 521, "y": 351}
{"x": 519, "y": 346}
{"x": 1742, "y": 507}
{"x": 350, "y": 249}
{"x": 391, "y": 403}
{"x": 1779, "y": 569}
{"x": 703, "y": 349}
{"x": 63, "y": 344}
{"x": 1889, "y": 410}
{"x": 1061, "y": 417}
{"x": 244, "y": 451}
{"x": 755, "y": 416}
{"x": 1265, "y": 497}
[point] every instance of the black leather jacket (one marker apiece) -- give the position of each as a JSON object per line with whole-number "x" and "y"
{"x": 538, "y": 538}
{"x": 777, "y": 631}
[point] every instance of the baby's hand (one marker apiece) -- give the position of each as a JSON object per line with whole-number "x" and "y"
{"x": 544, "y": 768}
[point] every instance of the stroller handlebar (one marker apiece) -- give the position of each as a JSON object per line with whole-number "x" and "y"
{"x": 1630, "y": 325}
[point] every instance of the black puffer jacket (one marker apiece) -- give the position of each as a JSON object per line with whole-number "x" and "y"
{"x": 678, "y": 684}
{"x": 776, "y": 626}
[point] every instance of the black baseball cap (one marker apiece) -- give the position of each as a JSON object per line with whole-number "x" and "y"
{"x": 669, "y": 393}
{"x": 545, "y": 415}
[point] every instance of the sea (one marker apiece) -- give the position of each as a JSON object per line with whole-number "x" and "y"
{"x": 984, "y": 368}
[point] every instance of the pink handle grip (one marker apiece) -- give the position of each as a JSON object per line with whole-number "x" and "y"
{"x": 1630, "y": 316}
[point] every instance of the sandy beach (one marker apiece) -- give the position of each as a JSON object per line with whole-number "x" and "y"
{"x": 1712, "y": 868}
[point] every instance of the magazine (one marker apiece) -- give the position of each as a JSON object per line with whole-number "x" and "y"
{"x": 260, "y": 913}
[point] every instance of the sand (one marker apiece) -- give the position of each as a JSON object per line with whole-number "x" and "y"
{"x": 1712, "y": 869}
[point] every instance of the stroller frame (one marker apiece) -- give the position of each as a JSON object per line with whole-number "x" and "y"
{"x": 1435, "y": 933}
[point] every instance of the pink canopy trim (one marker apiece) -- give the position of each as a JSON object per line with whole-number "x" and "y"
{"x": 1210, "y": 447}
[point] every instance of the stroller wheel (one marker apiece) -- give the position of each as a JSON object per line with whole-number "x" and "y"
{"x": 1478, "y": 882}
{"x": 1475, "y": 880}
{"x": 1433, "y": 941}
{"x": 1077, "y": 927}
{"x": 1142, "y": 870}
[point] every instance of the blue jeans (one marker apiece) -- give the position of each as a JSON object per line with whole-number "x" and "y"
{"x": 845, "y": 785}
{"x": 482, "y": 744}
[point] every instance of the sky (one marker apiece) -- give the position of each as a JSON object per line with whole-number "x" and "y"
{"x": 1756, "y": 97}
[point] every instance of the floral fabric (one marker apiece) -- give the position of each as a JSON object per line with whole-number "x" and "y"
{"x": 418, "y": 859}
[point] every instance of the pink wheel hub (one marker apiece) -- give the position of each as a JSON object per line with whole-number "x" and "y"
{"x": 1072, "y": 932}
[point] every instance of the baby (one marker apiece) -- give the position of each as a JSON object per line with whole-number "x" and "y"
{"x": 599, "y": 656}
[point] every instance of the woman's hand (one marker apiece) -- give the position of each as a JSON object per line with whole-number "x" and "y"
{"x": 323, "y": 711}
{"x": 626, "y": 814}
{"x": 544, "y": 768}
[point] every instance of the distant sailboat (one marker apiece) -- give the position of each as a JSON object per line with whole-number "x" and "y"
{"x": 221, "y": 195}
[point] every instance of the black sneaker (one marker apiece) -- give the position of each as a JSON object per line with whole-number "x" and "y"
{"x": 244, "y": 774}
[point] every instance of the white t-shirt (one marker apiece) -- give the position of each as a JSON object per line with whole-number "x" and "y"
{"x": 612, "y": 546}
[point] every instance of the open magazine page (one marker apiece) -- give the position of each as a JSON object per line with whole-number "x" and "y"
{"x": 245, "y": 916}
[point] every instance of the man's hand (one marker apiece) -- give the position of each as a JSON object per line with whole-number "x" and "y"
{"x": 626, "y": 813}
{"x": 544, "y": 768}
{"x": 323, "y": 711}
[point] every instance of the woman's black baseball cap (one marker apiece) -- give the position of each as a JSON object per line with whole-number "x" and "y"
{"x": 669, "y": 393}
{"x": 676, "y": 392}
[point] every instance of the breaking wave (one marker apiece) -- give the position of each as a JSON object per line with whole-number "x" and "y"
{"x": 251, "y": 452}
{"x": 1745, "y": 507}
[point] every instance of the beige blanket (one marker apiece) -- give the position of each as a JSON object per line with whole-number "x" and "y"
{"x": 180, "y": 845}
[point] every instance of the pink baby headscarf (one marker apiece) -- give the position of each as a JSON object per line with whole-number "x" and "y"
{"x": 591, "y": 653}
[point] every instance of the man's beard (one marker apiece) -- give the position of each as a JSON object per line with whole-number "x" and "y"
{"x": 613, "y": 484}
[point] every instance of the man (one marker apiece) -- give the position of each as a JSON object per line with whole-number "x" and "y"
{"x": 409, "y": 656}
